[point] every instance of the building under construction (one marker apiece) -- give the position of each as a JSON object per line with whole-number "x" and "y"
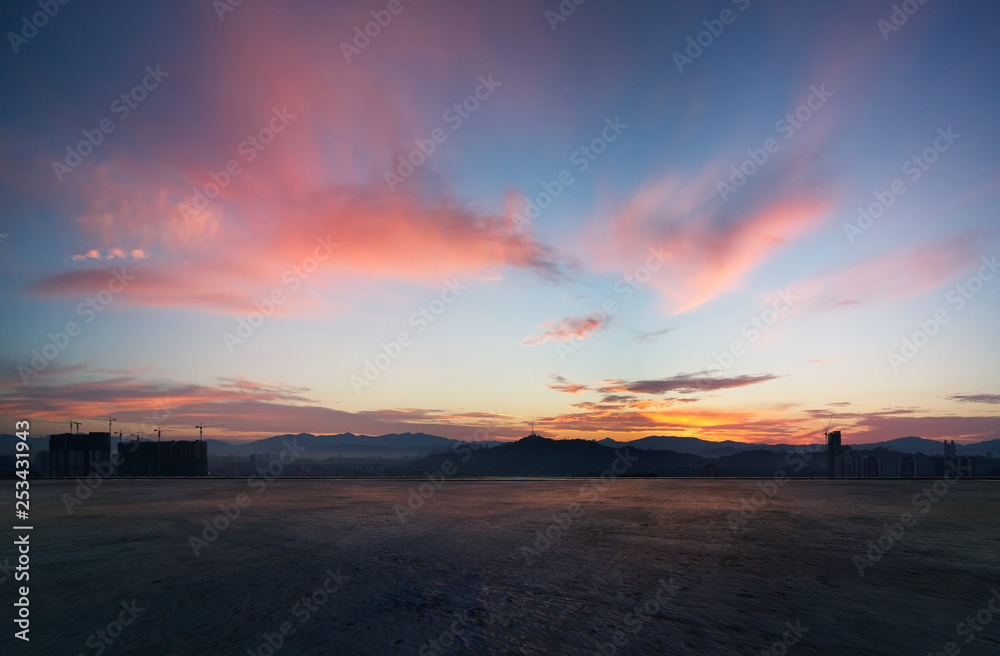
{"x": 79, "y": 455}
{"x": 163, "y": 458}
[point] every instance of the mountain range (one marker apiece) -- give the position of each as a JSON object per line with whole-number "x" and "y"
{"x": 418, "y": 445}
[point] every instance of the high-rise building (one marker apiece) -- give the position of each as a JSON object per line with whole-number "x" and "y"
{"x": 833, "y": 453}
{"x": 79, "y": 455}
{"x": 178, "y": 458}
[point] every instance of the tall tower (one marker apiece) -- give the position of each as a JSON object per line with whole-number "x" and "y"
{"x": 833, "y": 451}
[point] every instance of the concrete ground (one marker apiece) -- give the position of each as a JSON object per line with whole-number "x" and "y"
{"x": 651, "y": 564}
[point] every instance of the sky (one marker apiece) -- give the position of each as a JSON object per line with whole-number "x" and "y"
{"x": 741, "y": 220}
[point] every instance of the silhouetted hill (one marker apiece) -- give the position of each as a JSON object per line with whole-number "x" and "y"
{"x": 392, "y": 445}
{"x": 764, "y": 462}
{"x": 395, "y": 446}
{"x": 541, "y": 456}
{"x": 695, "y": 445}
{"x": 914, "y": 444}
{"x": 980, "y": 448}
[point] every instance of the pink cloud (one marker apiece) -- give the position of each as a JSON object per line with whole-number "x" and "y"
{"x": 711, "y": 247}
{"x": 908, "y": 272}
{"x": 565, "y": 330}
{"x": 321, "y": 177}
{"x": 565, "y": 386}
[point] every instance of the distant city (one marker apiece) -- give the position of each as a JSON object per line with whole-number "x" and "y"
{"x": 75, "y": 455}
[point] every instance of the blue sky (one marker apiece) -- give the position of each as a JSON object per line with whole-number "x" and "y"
{"x": 516, "y": 339}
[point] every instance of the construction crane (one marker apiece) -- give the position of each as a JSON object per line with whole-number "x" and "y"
{"x": 111, "y": 419}
{"x": 160, "y": 430}
{"x": 72, "y": 424}
{"x": 203, "y": 426}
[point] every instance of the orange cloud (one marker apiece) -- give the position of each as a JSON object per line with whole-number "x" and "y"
{"x": 249, "y": 409}
{"x": 565, "y": 330}
{"x": 715, "y": 425}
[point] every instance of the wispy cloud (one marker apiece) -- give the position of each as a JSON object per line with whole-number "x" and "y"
{"x": 712, "y": 247}
{"x": 248, "y": 408}
{"x": 686, "y": 383}
{"x": 566, "y": 329}
{"x": 560, "y": 384}
{"x": 651, "y": 336}
{"x": 905, "y": 273}
{"x": 976, "y": 398}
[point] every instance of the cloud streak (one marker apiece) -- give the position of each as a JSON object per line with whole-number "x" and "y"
{"x": 566, "y": 329}
{"x": 686, "y": 383}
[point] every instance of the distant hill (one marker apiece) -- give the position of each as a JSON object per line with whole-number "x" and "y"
{"x": 393, "y": 445}
{"x": 540, "y": 456}
{"x": 396, "y": 446}
{"x": 697, "y": 446}
{"x": 710, "y": 449}
{"x": 914, "y": 444}
{"x": 910, "y": 444}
